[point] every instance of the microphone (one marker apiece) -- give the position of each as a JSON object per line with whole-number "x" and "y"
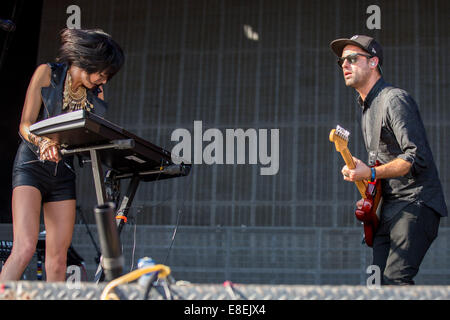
{"x": 7, "y": 25}
{"x": 112, "y": 258}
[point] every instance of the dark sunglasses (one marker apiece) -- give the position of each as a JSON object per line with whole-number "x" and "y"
{"x": 352, "y": 58}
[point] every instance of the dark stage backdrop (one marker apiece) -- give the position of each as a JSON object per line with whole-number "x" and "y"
{"x": 18, "y": 51}
{"x": 260, "y": 65}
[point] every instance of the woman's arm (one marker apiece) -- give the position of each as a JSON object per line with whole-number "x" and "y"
{"x": 30, "y": 112}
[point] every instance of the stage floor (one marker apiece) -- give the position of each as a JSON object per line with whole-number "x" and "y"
{"x": 39, "y": 290}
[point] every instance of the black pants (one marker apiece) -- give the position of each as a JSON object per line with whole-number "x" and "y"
{"x": 401, "y": 243}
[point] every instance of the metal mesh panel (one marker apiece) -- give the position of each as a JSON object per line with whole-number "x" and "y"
{"x": 192, "y": 60}
{"x": 252, "y": 255}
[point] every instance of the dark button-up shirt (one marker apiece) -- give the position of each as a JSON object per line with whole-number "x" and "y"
{"x": 402, "y": 136}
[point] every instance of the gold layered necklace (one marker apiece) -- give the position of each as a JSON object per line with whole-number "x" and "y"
{"x": 75, "y": 100}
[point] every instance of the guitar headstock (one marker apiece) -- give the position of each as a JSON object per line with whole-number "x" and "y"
{"x": 340, "y": 138}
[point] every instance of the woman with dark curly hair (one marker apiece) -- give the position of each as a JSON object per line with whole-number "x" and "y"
{"x": 41, "y": 176}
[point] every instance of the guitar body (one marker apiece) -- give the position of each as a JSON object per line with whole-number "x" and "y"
{"x": 370, "y": 191}
{"x": 368, "y": 212}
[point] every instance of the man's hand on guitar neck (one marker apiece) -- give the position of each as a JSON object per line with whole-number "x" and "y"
{"x": 360, "y": 172}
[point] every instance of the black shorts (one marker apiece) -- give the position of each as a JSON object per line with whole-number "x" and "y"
{"x": 55, "y": 181}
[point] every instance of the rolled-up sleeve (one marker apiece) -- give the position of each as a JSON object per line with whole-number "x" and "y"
{"x": 407, "y": 126}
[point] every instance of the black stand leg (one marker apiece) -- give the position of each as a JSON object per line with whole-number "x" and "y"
{"x": 97, "y": 173}
{"x": 125, "y": 204}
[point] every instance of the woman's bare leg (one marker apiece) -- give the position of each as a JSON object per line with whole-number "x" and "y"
{"x": 26, "y": 210}
{"x": 59, "y": 217}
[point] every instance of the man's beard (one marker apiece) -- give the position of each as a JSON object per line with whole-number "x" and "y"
{"x": 349, "y": 83}
{"x": 357, "y": 79}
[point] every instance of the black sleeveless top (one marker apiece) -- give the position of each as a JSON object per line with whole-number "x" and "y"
{"x": 52, "y": 102}
{"x": 52, "y": 98}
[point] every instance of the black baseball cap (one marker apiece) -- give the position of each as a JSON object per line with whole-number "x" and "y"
{"x": 366, "y": 43}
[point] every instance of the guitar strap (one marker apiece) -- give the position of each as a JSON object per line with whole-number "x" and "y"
{"x": 375, "y": 141}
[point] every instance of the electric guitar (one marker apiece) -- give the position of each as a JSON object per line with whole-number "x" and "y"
{"x": 370, "y": 191}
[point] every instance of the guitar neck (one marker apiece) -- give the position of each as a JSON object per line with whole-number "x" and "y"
{"x": 348, "y": 158}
